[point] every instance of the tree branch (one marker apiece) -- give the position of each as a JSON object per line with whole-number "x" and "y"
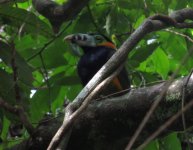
{"x": 17, "y": 110}
{"x": 57, "y": 14}
{"x": 165, "y": 125}
{"x": 109, "y": 123}
{"x": 153, "y": 23}
{"x": 68, "y": 121}
{"x": 8, "y": 107}
{"x": 20, "y": 110}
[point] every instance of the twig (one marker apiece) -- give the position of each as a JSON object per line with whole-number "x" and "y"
{"x": 50, "y": 42}
{"x": 156, "y": 103}
{"x": 70, "y": 118}
{"x": 178, "y": 33}
{"x": 166, "y": 124}
{"x": 21, "y": 112}
{"x": 145, "y": 4}
{"x": 146, "y": 11}
{"x": 15, "y": 75}
{"x": 21, "y": 28}
{"x": 8, "y": 107}
{"x": 46, "y": 78}
{"x": 105, "y": 3}
{"x": 15, "y": 3}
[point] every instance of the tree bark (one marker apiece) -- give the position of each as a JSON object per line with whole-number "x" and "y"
{"x": 109, "y": 123}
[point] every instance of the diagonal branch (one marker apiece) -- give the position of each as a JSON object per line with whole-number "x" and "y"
{"x": 8, "y": 107}
{"x": 116, "y": 118}
{"x": 166, "y": 125}
{"x": 151, "y": 24}
{"x": 17, "y": 110}
{"x": 68, "y": 121}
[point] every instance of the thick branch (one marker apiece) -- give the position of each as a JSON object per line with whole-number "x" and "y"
{"x": 57, "y": 14}
{"x": 118, "y": 118}
{"x": 109, "y": 123}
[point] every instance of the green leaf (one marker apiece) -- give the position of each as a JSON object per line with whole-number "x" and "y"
{"x": 62, "y": 80}
{"x": 153, "y": 145}
{"x": 5, "y": 125}
{"x": 6, "y": 87}
{"x": 41, "y": 102}
{"x": 130, "y": 4}
{"x": 181, "y": 4}
{"x": 20, "y": 17}
{"x": 83, "y": 23}
{"x": 139, "y": 21}
{"x": 53, "y": 56}
{"x": 7, "y": 93}
{"x": 60, "y": 99}
{"x": 170, "y": 142}
{"x": 108, "y": 23}
{"x": 158, "y": 62}
{"x": 124, "y": 4}
{"x": 24, "y": 70}
{"x": 142, "y": 53}
{"x": 139, "y": 77}
{"x": 176, "y": 48}
{"x": 161, "y": 62}
{"x": 38, "y": 78}
{"x": 73, "y": 91}
{"x": 116, "y": 21}
{"x": 27, "y": 43}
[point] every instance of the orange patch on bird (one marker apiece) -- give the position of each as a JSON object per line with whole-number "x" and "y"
{"x": 107, "y": 44}
{"x": 117, "y": 84}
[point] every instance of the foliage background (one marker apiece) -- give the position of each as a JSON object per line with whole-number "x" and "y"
{"x": 47, "y": 77}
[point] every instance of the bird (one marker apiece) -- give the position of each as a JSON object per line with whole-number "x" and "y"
{"x": 97, "y": 50}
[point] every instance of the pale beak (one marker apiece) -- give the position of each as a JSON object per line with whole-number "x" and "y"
{"x": 75, "y": 48}
{"x": 69, "y": 38}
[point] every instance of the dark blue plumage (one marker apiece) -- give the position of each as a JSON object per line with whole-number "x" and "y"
{"x": 92, "y": 60}
{"x": 97, "y": 51}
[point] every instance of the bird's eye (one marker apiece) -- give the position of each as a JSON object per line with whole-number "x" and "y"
{"x": 84, "y": 38}
{"x": 99, "y": 38}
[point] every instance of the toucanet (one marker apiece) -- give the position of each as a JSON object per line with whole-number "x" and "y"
{"x": 97, "y": 50}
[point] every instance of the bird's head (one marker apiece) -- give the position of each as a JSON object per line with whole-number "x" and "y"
{"x": 89, "y": 40}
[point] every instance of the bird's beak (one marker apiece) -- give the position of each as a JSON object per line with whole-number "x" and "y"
{"x": 69, "y": 38}
{"x": 75, "y": 48}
